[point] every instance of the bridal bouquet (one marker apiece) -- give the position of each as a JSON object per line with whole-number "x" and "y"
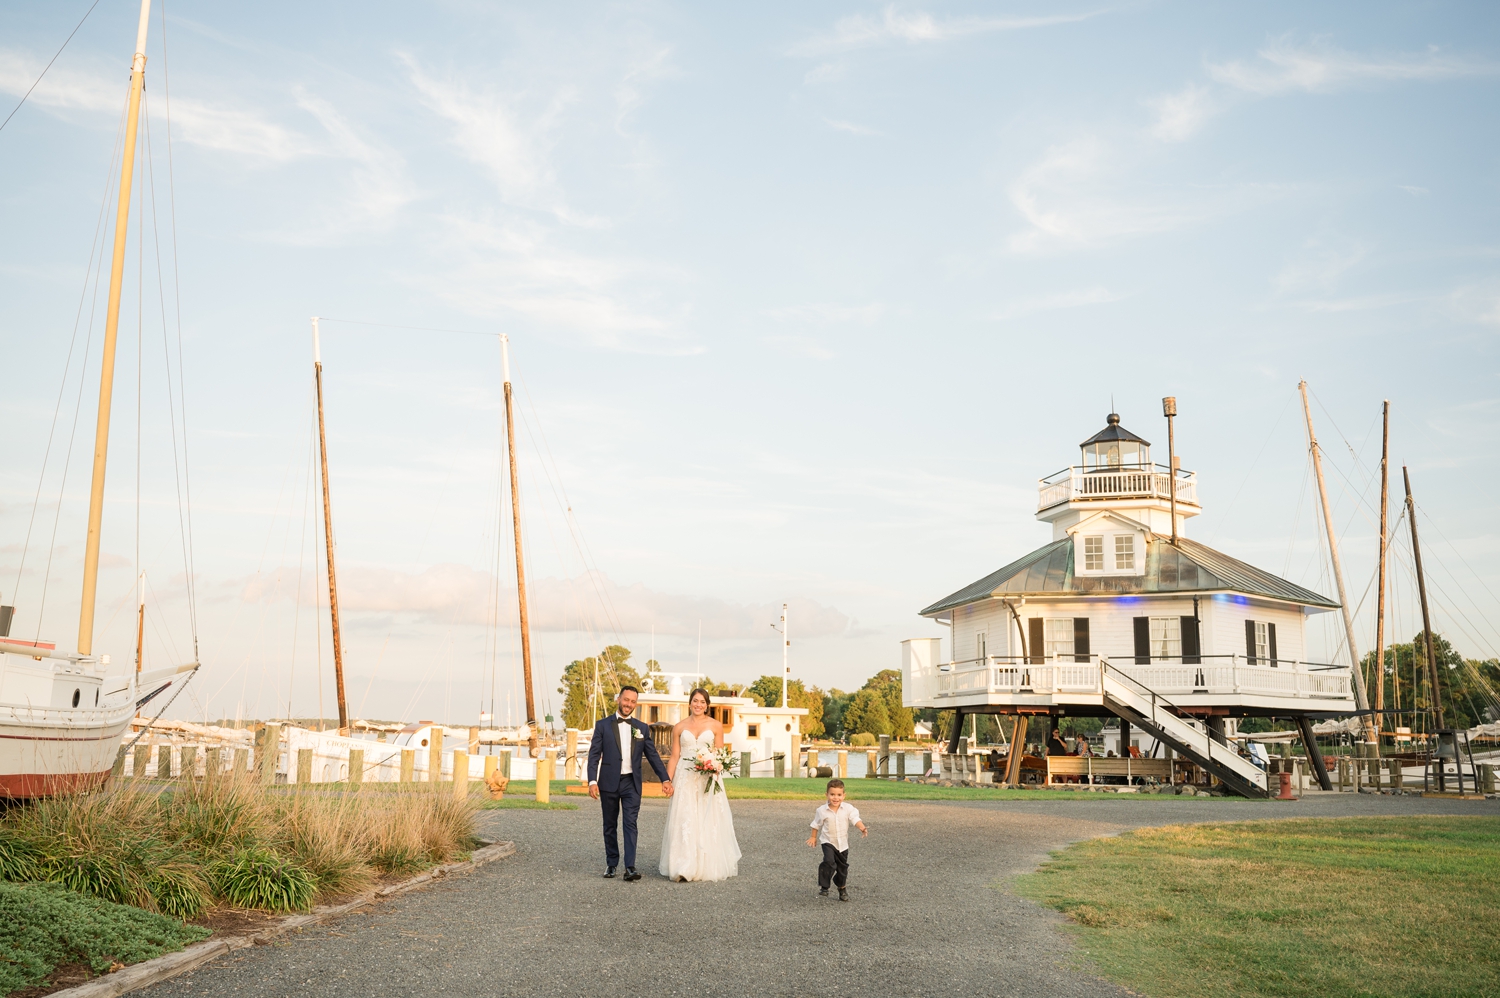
{"x": 715, "y": 765}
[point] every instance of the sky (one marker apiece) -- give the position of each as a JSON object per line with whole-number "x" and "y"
{"x": 802, "y": 300}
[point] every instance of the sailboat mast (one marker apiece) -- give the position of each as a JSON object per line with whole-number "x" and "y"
{"x": 333, "y": 585}
{"x": 1385, "y": 480}
{"x": 1416, "y": 551}
{"x": 1360, "y": 699}
{"x": 140, "y": 622}
{"x": 111, "y": 328}
{"x": 515, "y": 515}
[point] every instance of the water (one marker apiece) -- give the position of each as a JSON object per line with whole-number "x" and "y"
{"x": 858, "y": 763}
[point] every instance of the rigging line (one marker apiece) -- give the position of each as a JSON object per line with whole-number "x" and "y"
{"x": 96, "y": 246}
{"x": 1457, "y": 617}
{"x": 588, "y": 562}
{"x": 1456, "y": 551}
{"x": 177, "y": 470}
{"x": 1462, "y": 590}
{"x": 1286, "y": 565}
{"x": 59, "y": 52}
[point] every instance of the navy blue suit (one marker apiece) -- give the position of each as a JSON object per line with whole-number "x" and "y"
{"x": 621, "y": 792}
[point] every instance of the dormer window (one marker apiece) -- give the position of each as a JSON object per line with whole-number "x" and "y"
{"x": 1124, "y": 552}
{"x": 1093, "y": 553}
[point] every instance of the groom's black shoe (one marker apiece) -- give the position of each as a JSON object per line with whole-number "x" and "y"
{"x": 609, "y": 874}
{"x": 631, "y": 875}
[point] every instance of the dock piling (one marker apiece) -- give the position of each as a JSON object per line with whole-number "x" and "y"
{"x": 842, "y": 769}
{"x": 408, "y": 765}
{"x": 435, "y": 755}
{"x": 460, "y": 775}
{"x": 304, "y": 765}
{"x": 544, "y": 781}
{"x": 356, "y": 768}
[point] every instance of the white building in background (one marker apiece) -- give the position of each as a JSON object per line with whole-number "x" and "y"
{"x": 1113, "y": 618}
{"x": 748, "y": 726}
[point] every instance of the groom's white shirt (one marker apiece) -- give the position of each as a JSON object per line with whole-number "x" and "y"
{"x": 622, "y": 729}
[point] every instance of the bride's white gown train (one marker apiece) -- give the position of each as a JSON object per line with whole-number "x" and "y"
{"x": 699, "y": 842}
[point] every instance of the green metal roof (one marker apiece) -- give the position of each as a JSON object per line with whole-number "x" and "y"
{"x": 1189, "y": 567}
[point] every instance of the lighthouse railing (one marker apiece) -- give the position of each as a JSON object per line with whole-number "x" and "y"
{"x": 1151, "y": 481}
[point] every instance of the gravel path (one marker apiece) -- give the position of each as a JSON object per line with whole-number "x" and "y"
{"x": 929, "y": 914}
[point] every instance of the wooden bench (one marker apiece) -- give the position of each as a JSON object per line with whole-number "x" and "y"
{"x": 1089, "y": 767}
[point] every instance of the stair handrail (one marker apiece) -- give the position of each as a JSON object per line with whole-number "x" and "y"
{"x": 1104, "y": 667}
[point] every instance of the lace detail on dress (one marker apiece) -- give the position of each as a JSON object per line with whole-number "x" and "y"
{"x": 698, "y": 842}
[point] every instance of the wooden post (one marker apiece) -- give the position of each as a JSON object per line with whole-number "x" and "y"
{"x": 1017, "y": 752}
{"x": 460, "y": 775}
{"x": 871, "y": 763}
{"x": 543, "y": 781}
{"x": 408, "y": 765}
{"x": 1435, "y": 699}
{"x": 473, "y": 739}
{"x": 812, "y": 761}
{"x": 435, "y": 755}
{"x": 164, "y": 762}
{"x": 570, "y": 764}
{"x": 304, "y": 765}
{"x": 1385, "y": 451}
{"x": 926, "y": 763}
{"x": 778, "y": 764}
{"x": 884, "y": 755}
{"x": 268, "y": 753}
{"x": 118, "y": 769}
{"x": 241, "y": 761}
{"x": 141, "y": 761}
{"x": 505, "y": 758}
{"x": 1398, "y": 778}
{"x": 491, "y": 762}
{"x": 744, "y": 765}
{"x": 1486, "y": 777}
{"x": 841, "y": 758}
{"x": 213, "y": 763}
{"x": 900, "y": 765}
{"x": 356, "y": 768}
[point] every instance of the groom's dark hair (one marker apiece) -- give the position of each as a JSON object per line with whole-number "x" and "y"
{"x": 624, "y": 688}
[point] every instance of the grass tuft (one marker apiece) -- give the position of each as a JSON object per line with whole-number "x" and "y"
{"x": 258, "y": 878}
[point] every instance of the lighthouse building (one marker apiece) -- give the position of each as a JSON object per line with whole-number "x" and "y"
{"x": 1121, "y": 615}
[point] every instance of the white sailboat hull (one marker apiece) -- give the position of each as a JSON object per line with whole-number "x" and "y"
{"x": 49, "y": 751}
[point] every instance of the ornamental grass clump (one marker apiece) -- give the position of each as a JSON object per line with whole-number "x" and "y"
{"x": 229, "y": 840}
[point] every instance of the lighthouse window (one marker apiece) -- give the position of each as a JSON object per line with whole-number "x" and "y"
{"x": 1124, "y": 552}
{"x": 1059, "y": 636}
{"x": 1093, "y": 554}
{"x": 1166, "y": 637}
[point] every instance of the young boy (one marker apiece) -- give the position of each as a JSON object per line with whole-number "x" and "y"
{"x": 830, "y": 826}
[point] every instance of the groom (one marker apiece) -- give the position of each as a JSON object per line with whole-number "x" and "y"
{"x": 615, "y": 754}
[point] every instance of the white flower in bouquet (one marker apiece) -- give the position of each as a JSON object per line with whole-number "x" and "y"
{"x": 715, "y": 765}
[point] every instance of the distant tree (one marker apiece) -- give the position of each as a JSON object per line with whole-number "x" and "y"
{"x": 866, "y": 714}
{"x": 767, "y": 689}
{"x": 887, "y": 683}
{"x": 583, "y": 702}
{"x": 834, "y": 704}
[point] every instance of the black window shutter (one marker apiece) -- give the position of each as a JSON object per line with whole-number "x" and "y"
{"x": 1192, "y": 652}
{"x": 1143, "y": 641}
{"x": 1080, "y": 639}
{"x": 1250, "y": 641}
{"x": 1271, "y": 641}
{"x": 1035, "y": 643}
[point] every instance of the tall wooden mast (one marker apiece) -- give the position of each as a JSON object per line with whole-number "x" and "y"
{"x": 1385, "y": 481}
{"x": 111, "y": 328}
{"x": 1416, "y": 552}
{"x": 333, "y": 585}
{"x": 1360, "y": 699}
{"x": 515, "y": 516}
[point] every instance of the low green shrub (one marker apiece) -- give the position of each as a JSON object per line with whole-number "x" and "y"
{"x": 44, "y": 925}
{"x": 20, "y": 857}
{"x": 864, "y": 739}
{"x": 259, "y": 878}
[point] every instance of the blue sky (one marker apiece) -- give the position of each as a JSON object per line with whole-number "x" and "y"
{"x": 803, "y": 300}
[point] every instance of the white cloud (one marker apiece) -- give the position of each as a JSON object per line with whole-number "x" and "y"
{"x": 1416, "y": 192}
{"x": 1049, "y": 303}
{"x": 380, "y": 188}
{"x": 825, "y": 72}
{"x": 917, "y": 27}
{"x": 1078, "y": 196}
{"x": 221, "y": 127}
{"x": 850, "y": 127}
{"x": 1320, "y": 267}
{"x": 1181, "y": 114}
{"x": 458, "y": 594}
{"x": 1285, "y": 66}
{"x": 827, "y": 312}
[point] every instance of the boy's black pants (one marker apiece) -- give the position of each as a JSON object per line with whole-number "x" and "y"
{"x": 834, "y": 868}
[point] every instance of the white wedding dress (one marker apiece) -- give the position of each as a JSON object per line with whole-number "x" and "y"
{"x": 699, "y": 842}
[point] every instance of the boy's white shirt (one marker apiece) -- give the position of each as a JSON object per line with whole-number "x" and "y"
{"x": 833, "y": 826}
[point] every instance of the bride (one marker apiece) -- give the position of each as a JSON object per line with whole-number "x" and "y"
{"x": 699, "y": 842}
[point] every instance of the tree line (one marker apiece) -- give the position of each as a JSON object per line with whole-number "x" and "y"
{"x": 589, "y": 686}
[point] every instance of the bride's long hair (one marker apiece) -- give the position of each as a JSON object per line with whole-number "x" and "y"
{"x": 707, "y": 703}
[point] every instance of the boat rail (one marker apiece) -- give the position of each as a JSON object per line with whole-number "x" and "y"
{"x": 1143, "y": 481}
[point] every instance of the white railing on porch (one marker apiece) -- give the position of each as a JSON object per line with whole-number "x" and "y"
{"x": 1147, "y": 481}
{"x": 1230, "y": 675}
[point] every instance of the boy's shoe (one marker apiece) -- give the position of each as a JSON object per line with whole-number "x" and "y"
{"x": 822, "y": 892}
{"x": 843, "y": 894}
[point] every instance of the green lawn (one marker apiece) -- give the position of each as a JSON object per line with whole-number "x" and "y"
{"x": 1303, "y": 908}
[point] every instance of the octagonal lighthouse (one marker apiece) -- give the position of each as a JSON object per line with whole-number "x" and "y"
{"x": 1122, "y": 616}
